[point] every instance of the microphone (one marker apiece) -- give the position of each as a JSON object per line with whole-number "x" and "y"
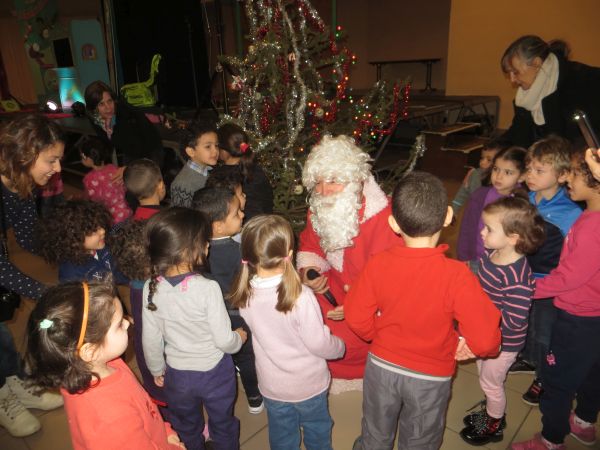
{"x": 311, "y": 274}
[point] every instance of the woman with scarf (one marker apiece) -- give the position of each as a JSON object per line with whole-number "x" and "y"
{"x": 549, "y": 89}
{"x": 122, "y": 127}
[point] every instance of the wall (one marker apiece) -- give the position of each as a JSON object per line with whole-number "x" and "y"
{"x": 481, "y": 31}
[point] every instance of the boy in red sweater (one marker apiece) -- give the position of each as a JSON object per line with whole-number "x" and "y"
{"x": 406, "y": 302}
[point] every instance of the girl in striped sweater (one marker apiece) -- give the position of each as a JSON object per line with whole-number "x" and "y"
{"x": 512, "y": 229}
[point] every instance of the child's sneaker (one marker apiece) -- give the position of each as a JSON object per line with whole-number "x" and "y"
{"x": 255, "y": 405}
{"x": 521, "y": 366}
{"x": 483, "y": 431}
{"x": 478, "y": 416}
{"x": 532, "y": 396}
{"x": 537, "y": 443}
{"x": 585, "y": 435}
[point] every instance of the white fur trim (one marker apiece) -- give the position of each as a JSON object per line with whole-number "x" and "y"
{"x": 375, "y": 199}
{"x": 310, "y": 259}
{"x": 336, "y": 259}
{"x": 339, "y": 385}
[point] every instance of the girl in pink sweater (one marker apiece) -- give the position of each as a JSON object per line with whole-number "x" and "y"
{"x": 291, "y": 343}
{"x": 76, "y": 335}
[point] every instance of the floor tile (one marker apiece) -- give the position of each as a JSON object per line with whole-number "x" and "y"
{"x": 346, "y": 412}
{"x": 250, "y": 424}
{"x": 7, "y": 442}
{"x": 452, "y": 441}
{"x": 54, "y": 434}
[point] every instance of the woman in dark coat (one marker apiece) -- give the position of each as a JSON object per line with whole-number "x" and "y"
{"x": 124, "y": 128}
{"x": 549, "y": 89}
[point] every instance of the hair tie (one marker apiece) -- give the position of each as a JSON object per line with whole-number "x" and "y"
{"x": 244, "y": 261}
{"x": 45, "y": 324}
{"x": 287, "y": 258}
{"x": 244, "y": 147}
{"x": 86, "y": 309}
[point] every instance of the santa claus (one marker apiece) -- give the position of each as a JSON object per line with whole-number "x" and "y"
{"x": 347, "y": 223}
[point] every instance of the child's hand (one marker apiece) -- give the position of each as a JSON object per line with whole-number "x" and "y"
{"x": 242, "y": 334}
{"x": 337, "y": 313}
{"x": 467, "y": 176}
{"x": 159, "y": 381}
{"x": 463, "y": 352}
{"x": 117, "y": 178}
{"x": 173, "y": 439}
{"x": 592, "y": 158}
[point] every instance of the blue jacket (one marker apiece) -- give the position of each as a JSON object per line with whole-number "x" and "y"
{"x": 95, "y": 268}
{"x": 559, "y": 214}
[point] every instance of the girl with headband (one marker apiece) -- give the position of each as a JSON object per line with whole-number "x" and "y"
{"x": 76, "y": 335}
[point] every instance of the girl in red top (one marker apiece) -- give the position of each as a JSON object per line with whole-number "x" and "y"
{"x": 76, "y": 334}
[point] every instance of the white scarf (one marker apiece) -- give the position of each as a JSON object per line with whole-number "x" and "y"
{"x": 544, "y": 84}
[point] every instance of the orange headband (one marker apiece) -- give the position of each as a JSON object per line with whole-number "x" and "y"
{"x": 86, "y": 308}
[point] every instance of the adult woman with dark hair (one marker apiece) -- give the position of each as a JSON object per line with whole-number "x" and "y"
{"x": 30, "y": 151}
{"x": 125, "y": 129}
{"x": 549, "y": 89}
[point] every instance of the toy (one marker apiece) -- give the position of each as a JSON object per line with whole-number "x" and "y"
{"x": 140, "y": 94}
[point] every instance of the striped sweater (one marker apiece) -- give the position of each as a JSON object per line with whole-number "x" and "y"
{"x": 510, "y": 288}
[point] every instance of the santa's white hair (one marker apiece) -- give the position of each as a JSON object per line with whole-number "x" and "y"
{"x": 336, "y": 159}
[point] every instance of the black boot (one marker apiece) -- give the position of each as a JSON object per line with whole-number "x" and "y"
{"x": 477, "y": 416}
{"x": 484, "y": 431}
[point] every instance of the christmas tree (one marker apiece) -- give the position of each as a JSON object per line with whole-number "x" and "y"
{"x": 293, "y": 89}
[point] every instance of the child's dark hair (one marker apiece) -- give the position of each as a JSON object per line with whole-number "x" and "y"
{"x": 222, "y": 177}
{"x": 214, "y": 202}
{"x": 234, "y": 141}
{"x": 520, "y": 217}
{"x": 53, "y": 332}
{"x": 266, "y": 242}
{"x": 517, "y": 155}
{"x": 553, "y": 150}
{"x": 174, "y": 236}
{"x": 61, "y": 235}
{"x": 128, "y": 248}
{"x": 420, "y": 204}
{"x": 96, "y": 149}
{"x": 141, "y": 177}
{"x": 578, "y": 158}
{"x": 193, "y": 132}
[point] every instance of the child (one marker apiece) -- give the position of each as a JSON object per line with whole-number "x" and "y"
{"x": 512, "y": 229}
{"x": 201, "y": 145}
{"x": 227, "y": 179}
{"x": 73, "y": 236}
{"x": 547, "y": 170}
{"x": 98, "y": 184}
{"x": 187, "y": 333}
{"x": 476, "y": 178}
{"x": 143, "y": 180}
{"x": 572, "y": 366}
{"x": 508, "y": 171}
{"x": 236, "y": 154}
{"x": 291, "y": 342}
{"x": 406, "y": 302}
{"x": 131, "y": 255}
{"x": 76, "y": 334}
{"x": 224, "y": 212}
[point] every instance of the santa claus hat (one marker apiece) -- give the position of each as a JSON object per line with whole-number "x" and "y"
{"x": 337, "y": 159}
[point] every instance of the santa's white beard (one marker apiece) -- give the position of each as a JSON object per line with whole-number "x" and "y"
{"x": 335, "y": 217}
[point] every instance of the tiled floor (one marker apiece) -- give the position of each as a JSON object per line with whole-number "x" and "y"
{"x": 523, "y": 420}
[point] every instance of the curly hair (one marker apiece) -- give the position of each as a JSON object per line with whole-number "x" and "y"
{"x": 128, "y": 247}
{"x": 60, "y": 236}
{"x": 21, "y": 142}
{"x": 52, "y": 350}
{"x": 578, "y": 160}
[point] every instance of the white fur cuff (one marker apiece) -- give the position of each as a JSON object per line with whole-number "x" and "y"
{"x": 310, "y": 259}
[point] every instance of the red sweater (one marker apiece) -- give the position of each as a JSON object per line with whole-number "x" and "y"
{"x": 145, "y": 212}
{"x": 116, "y": 414}
{"x": 406, "y": 301}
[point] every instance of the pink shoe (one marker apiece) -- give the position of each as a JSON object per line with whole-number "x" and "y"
{"x": 587, "y": 435}
{"x": 537, "y": 443}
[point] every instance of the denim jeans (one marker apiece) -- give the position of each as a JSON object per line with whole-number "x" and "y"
{"x": 286, "y": 419}
{"x": 9, "y": 358}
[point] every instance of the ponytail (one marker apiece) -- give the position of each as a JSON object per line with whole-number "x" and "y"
{"x": 152, "y": 288}
{"x": 234, "y": 141}
{"x": 240, "y": 293}
{"x": 530, "y": 47}
{"x": 290, "y": 288}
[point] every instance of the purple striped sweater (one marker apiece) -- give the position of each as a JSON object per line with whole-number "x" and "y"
{"x": 510, "y": 288}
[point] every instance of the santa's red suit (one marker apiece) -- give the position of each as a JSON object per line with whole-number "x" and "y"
{"x": 342, "y": 267}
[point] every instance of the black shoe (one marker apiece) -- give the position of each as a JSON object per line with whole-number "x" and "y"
{"x": 521, "y": 366}
{"x": 478, "y": 416}
{"x": 532, "y": 396}
{"x": 256, "y": 404}
{"x": 484, "y": 431}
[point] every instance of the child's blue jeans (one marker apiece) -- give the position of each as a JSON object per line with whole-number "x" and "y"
{"x": 286, "y": 418}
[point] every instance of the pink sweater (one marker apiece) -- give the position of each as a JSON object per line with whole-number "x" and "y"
{"x": 100, "y": 188}
{"x": 575, "y": 283}
{"x": 291, "y": 348}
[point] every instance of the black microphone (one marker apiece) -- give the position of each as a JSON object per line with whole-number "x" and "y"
{"x": 311, "y": 274}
